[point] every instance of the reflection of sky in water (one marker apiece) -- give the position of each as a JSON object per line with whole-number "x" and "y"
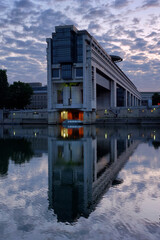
{"x": 127, "y": 211}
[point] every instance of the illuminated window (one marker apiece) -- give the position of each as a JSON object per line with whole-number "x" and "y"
{"x": 64, "y": 115}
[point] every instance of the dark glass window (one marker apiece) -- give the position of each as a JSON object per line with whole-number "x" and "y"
{"x": 59, "y": 96}
{"x": 64, "y": 45}
{"x": 79, "y": 72}
{"x": 79, "y": 48}
{"x": 66, "y": 71}
{"x": 55, "y": 73}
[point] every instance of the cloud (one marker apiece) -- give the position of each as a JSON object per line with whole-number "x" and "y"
{"x": 94, "y": 26}
{"x": 3, "y": 7}
{"x": 120, "y": 3}
{"x": 152, "y": 34}
{"x": 95, "y": 13}
{"x": 151, "y": 3}
{"x": 139, "y": 44}
{"x": 24, "y": 4}
{"x": 136, "y": 21}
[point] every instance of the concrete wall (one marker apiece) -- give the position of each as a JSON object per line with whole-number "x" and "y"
{"x": 137, "y": 112}
{"x": 26, "y": 117}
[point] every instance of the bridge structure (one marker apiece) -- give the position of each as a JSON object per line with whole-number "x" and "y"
{"x": 83, "y": 78}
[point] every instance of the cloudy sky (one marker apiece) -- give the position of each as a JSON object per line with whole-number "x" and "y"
{"x": 128, "y": 28}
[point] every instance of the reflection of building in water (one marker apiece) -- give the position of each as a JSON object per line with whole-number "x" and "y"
{"x": 82, "y": 168}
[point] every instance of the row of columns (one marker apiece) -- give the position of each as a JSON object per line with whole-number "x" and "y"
{"x": 129, "y": 100}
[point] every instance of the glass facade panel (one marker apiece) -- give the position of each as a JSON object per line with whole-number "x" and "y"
{"x": 79, "y": 72}
{"x": 67, "y": 46}
{"x": 55, "y": 73}
{"x": 64, "y": 46}
{"x": 79, "y": 48}
{"x": 66, "y": 71}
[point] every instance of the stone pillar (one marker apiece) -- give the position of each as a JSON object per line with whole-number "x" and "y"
{"x": 125, "y": 98}
{"x": 49, "y": 73}
{"x": 113, "y": 94}
{"x": 129, "y": 99}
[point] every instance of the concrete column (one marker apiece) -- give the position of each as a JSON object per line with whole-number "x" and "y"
{"x": 125, "y": 98}
{"x": 49, "y": 73}
{"x": 113, "y": 94}
{"x": 129, "y": 99}
{"x": 85, "y": 76}
{"x": 132, "y": 100}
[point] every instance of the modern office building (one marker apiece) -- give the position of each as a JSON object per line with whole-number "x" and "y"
{"x": 83, "y": 78}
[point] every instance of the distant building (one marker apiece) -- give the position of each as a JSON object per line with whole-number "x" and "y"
{"x": 39, "y": 97}
{"x": 83, "y": 78}
{"x": 147, "y": 98}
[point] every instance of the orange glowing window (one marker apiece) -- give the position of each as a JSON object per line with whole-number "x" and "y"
{"x": 81, "y": 116}
{"x": 70, "y": 116}
{"x": 81, "y": 132}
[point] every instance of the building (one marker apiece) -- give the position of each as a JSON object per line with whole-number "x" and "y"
{"x": 147, "y": 98}
{"x": 39, "y": 97}
{"x": 83, "y": 78}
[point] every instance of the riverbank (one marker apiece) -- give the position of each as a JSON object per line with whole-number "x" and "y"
{"x": 134, "y": 115}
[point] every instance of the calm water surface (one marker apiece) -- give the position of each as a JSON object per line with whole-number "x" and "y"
{"x": 80, "y": 183}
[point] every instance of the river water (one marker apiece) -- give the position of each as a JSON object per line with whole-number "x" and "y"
{"x": 91, "y": 182}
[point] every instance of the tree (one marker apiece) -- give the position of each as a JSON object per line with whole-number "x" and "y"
{"x": 19, "y": 95}
{"x": 3, "y": 88}
{"x": 155, "y": 99}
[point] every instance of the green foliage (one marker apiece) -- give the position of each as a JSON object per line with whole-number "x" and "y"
{"x": 19, "y": 95}
{"x": 155, "y": 99}
{"x": 3, "y": 88}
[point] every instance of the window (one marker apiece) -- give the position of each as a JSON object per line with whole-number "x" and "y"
{"x": 67, "y": 71}
{"x": 59, "y": 96}
{"x": 79, "y": 72}
{"x": 79, "y": 48}
{"x": 55, "y": 73}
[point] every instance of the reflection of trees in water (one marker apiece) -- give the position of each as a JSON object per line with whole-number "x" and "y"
{"x": 156, "y": 144}
{"x": 19, "y": 150}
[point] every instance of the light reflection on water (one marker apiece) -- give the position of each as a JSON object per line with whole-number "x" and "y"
{"x": 80, "y": 183}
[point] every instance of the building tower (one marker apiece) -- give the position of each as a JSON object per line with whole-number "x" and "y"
{"x": 83, "y": 78}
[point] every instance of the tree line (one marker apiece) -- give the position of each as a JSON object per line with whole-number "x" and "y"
{"x": 156, "y": 99}
{"x": 13, "y": 96}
